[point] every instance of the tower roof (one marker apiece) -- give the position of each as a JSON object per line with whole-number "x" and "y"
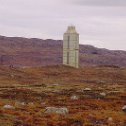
{"x": 71, "y": 29}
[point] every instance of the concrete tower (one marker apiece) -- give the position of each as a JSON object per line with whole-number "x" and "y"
{"x": 71, "y": 47}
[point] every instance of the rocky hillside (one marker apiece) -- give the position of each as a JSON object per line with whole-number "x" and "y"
{"x": 62, "y": 96}
{"x": 24, "y": 52}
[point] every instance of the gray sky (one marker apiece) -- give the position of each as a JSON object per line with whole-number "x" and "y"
{"x": 101, "y": 23}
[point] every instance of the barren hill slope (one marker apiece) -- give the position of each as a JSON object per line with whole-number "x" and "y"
{"x": 23, "y": 52}
{"x": 62, "y": 75}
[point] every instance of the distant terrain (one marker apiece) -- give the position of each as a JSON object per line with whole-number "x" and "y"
{"x": 24, "y": 52}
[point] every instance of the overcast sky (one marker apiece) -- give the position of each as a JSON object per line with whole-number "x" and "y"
{"x": 101, "y": 23}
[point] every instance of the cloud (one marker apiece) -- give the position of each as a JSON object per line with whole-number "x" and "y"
{"x": 97, "y": 22}
{"x": 100, "y": 2}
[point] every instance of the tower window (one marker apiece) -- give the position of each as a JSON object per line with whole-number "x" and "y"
{"x": 68, "y": 42}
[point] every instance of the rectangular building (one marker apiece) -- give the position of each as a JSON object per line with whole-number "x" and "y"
{"x": 71, "y": 47}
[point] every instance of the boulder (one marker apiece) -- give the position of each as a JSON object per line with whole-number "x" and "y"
{"x": 103, "y": 94}
{"x": 23, "y": 103}
{"x": 31, "y": 104}
{"x": 19, "y": 104}
{"x": 8, "y": 107}
{"x": 55, "y": 84}
{"x": 43, "y": 103}
{"x": 110, "y": 119}
{"x": 87, "y": 89}
{"x": 74, "y": 97}
{"x": 124, "y": 108}
{"x": 61, "y": 111}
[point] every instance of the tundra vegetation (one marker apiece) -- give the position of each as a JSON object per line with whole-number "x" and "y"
{"x": 63, "y": 96}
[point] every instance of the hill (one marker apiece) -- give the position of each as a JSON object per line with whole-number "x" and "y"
{"x": 24, "y": 52}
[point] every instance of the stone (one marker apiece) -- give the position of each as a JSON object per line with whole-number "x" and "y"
{"x": 56, "y": 91}
{"x": 87, "y": 89}
{"x": 8, "y": 107}
{"x": 19, "y": 104}
{"x": 31, "y": 104}
{"x": 12, "y": 75}
{"x": 103, "y": 94}
{"x": 74, "y": 97}
{"x": 55, "y": 84}
{"x": 61, "y": 111}
{"x": 110, "y": 119}
{"x": 23, "y": 103}
{"x": 124, "y": 108}
{"x": 43, "y": 103}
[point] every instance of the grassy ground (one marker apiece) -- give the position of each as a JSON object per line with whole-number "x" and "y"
{"x": 31, "y": 90}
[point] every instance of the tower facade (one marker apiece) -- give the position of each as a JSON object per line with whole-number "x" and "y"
{"x": 71, "y": 47}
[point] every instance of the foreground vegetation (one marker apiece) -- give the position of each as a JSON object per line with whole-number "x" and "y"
{"x": 94, "y": 96}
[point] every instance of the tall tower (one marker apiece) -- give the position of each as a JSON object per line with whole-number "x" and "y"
{"x": 71, "y": 47}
